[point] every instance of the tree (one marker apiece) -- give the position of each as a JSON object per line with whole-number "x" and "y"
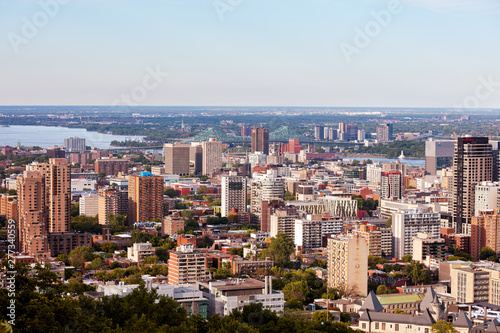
{"x": 318, "y": 263}
{"x": 151, "y": 260}
{"x": 289, "y": 196}
{"x": 279, "y": 250}
{"x": 388, "y": 223}
{"x": 109, "y": 247}
{"x": 170, "y": 192}
{"x": 223, "y": 272}
{"x": 96, "y": 264}
{"x": 294, "y": 304}
{"x": 117, "y": 223}
{"x": 407, "y": 258}
{"x": 296, "y": 290}
{"x": 79, "y": 255}
{"x": 418, "y": 273}
{"x": 485, "y": 253}
{"x": 101, "y": 175}
{"x": 381, "y": 289}
{"x": 442, "y": 326}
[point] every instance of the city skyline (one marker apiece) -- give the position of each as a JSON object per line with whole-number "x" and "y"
{"x": 300, "y": 53}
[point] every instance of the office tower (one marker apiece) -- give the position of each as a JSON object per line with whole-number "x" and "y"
{"x": 260, "y": 140}
{"x": 75, "y": 144}
{"x": 425, "y": 245}
{"x": 246, "y": 131}
{"x": 332, "y": 134}
{"x": 406, "y": 224}
{"x": 257, "y": 158}
{"x": 472, "y": 164}
{"x": 348, "y": 264}
{"x": 111, "y": 201}
{"x": 283, "y": 221}
{"x": 342, "y": 127}
{"x": 307, "y": 234}
{"x": 187, "y": 265}
{"x": 265, "y": 187}
{"x": 145, "y": 198}
{"x": 352, "y": 132}
{"x": 234, "y": 193}
{"x": 319, "y": 132}
{"x": 485, "y": 232}
{"x": 487, "y": 197}
{"x": 267, "y": 209}
{"x": 294, "y": 146}
{"x": 177, "y": 156}
{"x": 398, "y": 166}
{"x": 391, "y": 185}
{"x": 212, "y": 155}
{"x": 32, "y": 225}
{"x": 195, "y": 159}
{"x": 326, "y": 130}
{"x": 111, "y": 166}
{"x": 438, "y": 155}
{"x": 57, "y": 180}
{"x": 361, "y": 135}
{"x": 385, "y": 133}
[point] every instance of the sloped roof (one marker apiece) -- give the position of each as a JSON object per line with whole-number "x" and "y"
{"x": 400, "y": 298}
{"x": 462, "y": 320}
{"x": 493, "y": 327}
{"x": 371, "y": 303}
{"x": 425, "y": 319}
{"x": 430, "y": 297}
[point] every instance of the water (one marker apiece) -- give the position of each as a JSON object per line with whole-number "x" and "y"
{"x": 408, "y": 161}
{"x": 47, "y": 136}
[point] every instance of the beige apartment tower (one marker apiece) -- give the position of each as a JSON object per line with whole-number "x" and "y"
{"x": 234, "y": 193}
{"x": 187, "y": 265}
{"x": 348, "y": 264}
{"x": 57, "y": 180}
{"x": 212, "y": 155}
{"x": 176, "y": 157}
{"x": 145, "y": 198}
{"x": 32, "y": 215}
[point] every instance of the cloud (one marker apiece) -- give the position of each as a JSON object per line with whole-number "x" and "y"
{"x": 456, "y": 6}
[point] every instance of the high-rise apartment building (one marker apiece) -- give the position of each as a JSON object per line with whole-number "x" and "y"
{"x": 111, "y": 166}
{"x": 212, "y": 155}
{"x": 374, "y": 173}
{"x": 113, "y": 201}
{"x": 57, "y": 180}
{"x": 260, "y": 140}
{"x": 145, "y": 198}
{"x": 177, "y": 157}
{"x": 438, "y": 155}
{"x": 472, "y": 164}
{"x": 75, "y": 144}
{"x": 391, "y": 186}
{"x": 384, "y": 133}
{"x": 89, "y": 204}
{"x": 187, "y": 265}
{"x": 485, "y": 232}
{"x": 8, "y": 206}
{"x": 32, "y": 228}
{"x": 425, "y": 245}
{"x": 373, "y": 238}
{"x": 234, "y": 193}
{"x": 406, "y": 224}
{"x": 265, "y": 187}
{"x": 283, "y": 221}
{"x": 487, "y": 197}
{"x": 348, "y": 264}
{"x": 171, "y": 224}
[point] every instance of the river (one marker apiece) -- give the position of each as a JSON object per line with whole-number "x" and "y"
{"x": 48, "y": 136}
{"x": 409, "y": 161}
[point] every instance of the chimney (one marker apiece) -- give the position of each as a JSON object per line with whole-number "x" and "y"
{"x": 265, "y": 285}
{"x": 270, "y": 284}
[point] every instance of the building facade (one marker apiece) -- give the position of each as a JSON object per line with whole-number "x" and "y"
{"x": 145, "y": 198}
{"x": 234, "y": 193}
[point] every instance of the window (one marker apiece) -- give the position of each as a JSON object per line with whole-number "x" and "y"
{"x": 396, "y": 327}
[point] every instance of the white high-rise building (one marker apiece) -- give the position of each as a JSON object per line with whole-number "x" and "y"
{"x": 374, "y": 173}
{"x": 406, "y": 224}
{"x": 212, "y": 155}
{"x": 487, "y": 196}
{"x": 234, "y": 193}
{"x": 257, "y": 158}
{"x": 264, "y": 188}
{"x": 75, "y": 144}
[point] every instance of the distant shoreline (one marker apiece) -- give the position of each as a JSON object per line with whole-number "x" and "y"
{"x": 375, "y": 156}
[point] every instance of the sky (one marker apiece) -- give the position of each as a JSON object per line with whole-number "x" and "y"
{"x": 350, "y": 53}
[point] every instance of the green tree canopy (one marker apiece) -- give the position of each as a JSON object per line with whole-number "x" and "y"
{"x": 279, "y": 250}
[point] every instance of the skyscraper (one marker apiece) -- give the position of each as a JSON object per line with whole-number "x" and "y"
{"x": 264, "y": 188}
{"x": 195, "y": 159}
{"x": 212, "y": 155}
{"x": 438, "y": 155}
{"x": 472, "y": 164}
{"x": 145, "y": 197}
{"x": 319, "y": 132}
{"x": 177, "y": 156}
{"x": 234, "y": 193}
{"x": 260, "y": 140}
{"x": 75, "y": 144}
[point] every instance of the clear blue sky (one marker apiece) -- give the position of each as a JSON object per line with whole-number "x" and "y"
{"x": 262, "y": 52}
